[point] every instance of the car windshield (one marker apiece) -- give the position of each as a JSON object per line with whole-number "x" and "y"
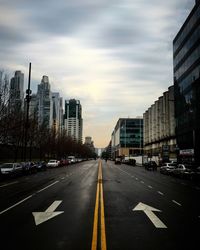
{"x": 52, "y": 161}
{"x": 7, "y": 165}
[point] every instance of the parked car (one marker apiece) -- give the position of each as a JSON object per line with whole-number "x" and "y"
{"x": 129, "y": 161}
{"x": 183, "y": 171}
{"x": 117, "y": 160}
{"x": 41, "y": 166}
{"x": 150, "y": 165}
{"x": 167, "y": 168}
{"x": 28, "y": 167}
{"x": 11, "y": 169}
{"x": 64, "y": 162}
{"x": 72, "y": 159}
{"x": 53, "y": 163}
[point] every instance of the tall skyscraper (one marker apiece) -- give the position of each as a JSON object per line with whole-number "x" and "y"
{"x": 186, "y": 53}
{"x": 17, "y": 91}
{"x": 33, "y": 108}
{"x": 89, "y": 143}
{"x": 57, "y": 111}
{"x": 73, "y": 121}
{"x": 45, "y": 104}
{"x": 88, "y": 140}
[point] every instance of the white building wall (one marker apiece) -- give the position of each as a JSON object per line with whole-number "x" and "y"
{"x": 159, "y": 124}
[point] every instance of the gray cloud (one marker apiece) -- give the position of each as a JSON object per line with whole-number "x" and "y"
{"x": 112, "y": 55}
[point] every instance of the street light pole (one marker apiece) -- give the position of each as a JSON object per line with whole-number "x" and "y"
{"x": 28, "y": 98}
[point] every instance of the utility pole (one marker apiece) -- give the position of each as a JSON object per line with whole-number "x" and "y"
{"x": 28, "y": 99}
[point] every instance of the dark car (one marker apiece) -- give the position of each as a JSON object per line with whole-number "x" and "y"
{"x": 64, "y": 162}
{"x": 151, "y": 165}
{"x": 185, "y": 171}
{"x": 118, "y": 160}
{"x": 41, "y": 166}
{"x": 29, "y": 167}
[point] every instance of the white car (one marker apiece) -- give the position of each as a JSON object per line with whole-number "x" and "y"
{"x": 167, "y": 168}
{"x": 53, "y": 163}
{"x": 11, "y": 169}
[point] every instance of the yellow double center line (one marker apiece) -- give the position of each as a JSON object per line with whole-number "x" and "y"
{"x": 99, "y": 202}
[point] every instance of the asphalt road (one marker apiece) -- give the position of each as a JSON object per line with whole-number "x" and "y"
{"x": 93, "y": 205}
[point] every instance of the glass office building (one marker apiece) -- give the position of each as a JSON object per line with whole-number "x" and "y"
{"x": 73, "y": 121}
{"x": 127, "y": 137}
{"x": 186, "y": 54}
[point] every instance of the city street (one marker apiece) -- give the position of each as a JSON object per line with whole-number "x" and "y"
{"x": 99, "y": 205}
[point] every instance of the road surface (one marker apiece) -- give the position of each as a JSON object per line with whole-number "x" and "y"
{"x": 99, "y": 205}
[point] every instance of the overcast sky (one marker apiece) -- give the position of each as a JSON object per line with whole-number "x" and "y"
{"x": 115, "y": 56}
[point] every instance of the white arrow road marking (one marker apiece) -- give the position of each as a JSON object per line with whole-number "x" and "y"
{"x": 41, "y": 217}
{"x": 149, "y": 212}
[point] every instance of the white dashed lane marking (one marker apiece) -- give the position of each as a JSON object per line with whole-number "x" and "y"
{"x": 16, "y": 204}
{"x": 8, "y": 184}
{"x": 160, "y": 193}
{"x": 177, "y": 203}
{"x": 47, "y": 186}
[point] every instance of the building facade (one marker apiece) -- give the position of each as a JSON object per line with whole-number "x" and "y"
{"x": 73, "y": 121}
{"x": 127, "y": 137}
{"x": 57, "y": 111}
{"x": 45, "y": 104}
{"x": 33, "y": 107}
{"x": 89, "y": 143}
{"x": 159, "y": 128}
{"x": 17, "y": 91}
{"x": 186, "y": 54}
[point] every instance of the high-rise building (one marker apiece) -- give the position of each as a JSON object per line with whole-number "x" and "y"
{"x": 73, "y": 122}
{"x": 45, "y": 104}
{"x": 127, "y": 137}
{"x": 57, "y": 111}
{"x": 17, "y": 91}
{"x": 61, "y": 119}
{"x": 33, "y": 107}
{"x": 88, "y": 140}
{"x": 89, "y": 143}
{"x": 186, "y": 54}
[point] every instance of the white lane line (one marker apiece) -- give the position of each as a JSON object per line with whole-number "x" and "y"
{"x": 150, "y": 186}
{"x": 62, "y": 178}
{"x": 47, "y": 186}
{"x": 142, "y": 182}
{"x": 136, "y": 179}
{"x": 8, "y": 184}
{"x": 160, "y": 193}
{"x": 125, "y": 172}
{"x": 183, "y": 183}
{"x": 16, "y": 204}
{"x": 176, "y": 202}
